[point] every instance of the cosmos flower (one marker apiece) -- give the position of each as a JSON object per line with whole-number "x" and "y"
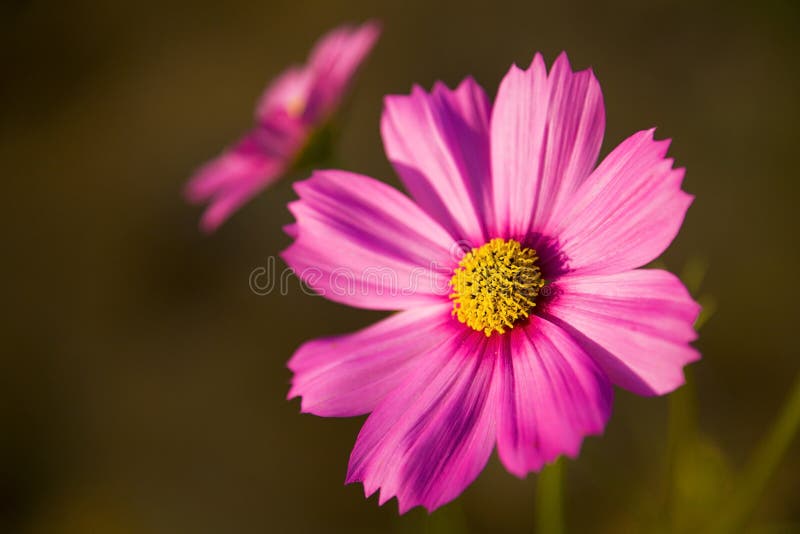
{"x": 515, "y": 339}
{"x": 294, "y": 107}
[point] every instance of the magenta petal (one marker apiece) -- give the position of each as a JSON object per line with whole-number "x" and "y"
{"x": 439, "y": 146}
{"x": 348, "y": 375}
{"x": 551, "y": 395}
{"x": 429, "y": 439}
{"x": 232, "y": 179}
{"x": 333, "y": 63}
{"x": 290, "y": 110}
{"x": 231, "y": 199}
{"x": 546, "y": 133}
{"x": 363, "y": 243}
{"x": 291, "y": 230}
{"x": 244, "y": 161}
{"x": 289, "y": 91}
{"x": 637, "y": 326}
{"x": 627, "y": 212}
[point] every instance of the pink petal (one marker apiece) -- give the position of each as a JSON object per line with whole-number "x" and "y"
{"x": 333, "y": 63}
{"x": 429, "y": 439}
{"x": 291, "y": 230}
{"x": 552, "y": 395}
{"x": 288, "y": 90}
{"x": 363, "y": 243}
{"x": 627, "y": 212}
{"x": 233, "y": 178}
{"x": 546, "y": 133}
{"x": 243, "y": 161}
{"x": 309, "y": 92}
{"x": 291, "y": 107}
{"x": 348, "y": 375}
{"x": 439, "y": 146}
{"x": 230, "y": 199}
{"x": 637, "y": 326}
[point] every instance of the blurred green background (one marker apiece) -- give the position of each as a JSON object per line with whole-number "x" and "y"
{"x": 142, "y": 383}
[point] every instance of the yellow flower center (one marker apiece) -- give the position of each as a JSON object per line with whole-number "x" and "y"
{"x": 495, "y": 285}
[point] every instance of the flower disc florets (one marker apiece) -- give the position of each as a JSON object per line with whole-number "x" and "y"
{"x": 496, "y": 285}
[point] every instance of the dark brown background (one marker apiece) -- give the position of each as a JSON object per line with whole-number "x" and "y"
{"x": 142, "y": 383}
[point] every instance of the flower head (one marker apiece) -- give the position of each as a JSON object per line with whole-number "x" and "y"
{"x": 515, "y": 275}
{"x": 291, "y": 110}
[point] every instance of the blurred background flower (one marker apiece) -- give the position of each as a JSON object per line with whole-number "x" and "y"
{"x": 143, "y": 382}
{"x": 291, "y": 118}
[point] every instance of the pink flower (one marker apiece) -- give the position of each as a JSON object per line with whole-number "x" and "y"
{"x": 294, "y": 106}
{"x": 516, "y": 339}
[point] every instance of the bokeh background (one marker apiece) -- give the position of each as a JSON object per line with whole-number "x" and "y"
{"x": 142, "y": 383}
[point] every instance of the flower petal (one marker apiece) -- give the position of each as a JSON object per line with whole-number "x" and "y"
{"x": 231, "y": 199}
{"x": 288, "y": 92}
{"x": 429, "y": 439}
{"x": 627, "y": 212}
{"x": 546, "y": 133}
{"x": 439, "y": 146}
{"x": 363, "y": 243}
{"x": 348, "y": 375}
{"x": 233, "y": 178}
{"x": 242, "y": 161}
{"x": 637, "y": 326}
{"x": 333, "y": 63}
{"x": 551, "y": 395}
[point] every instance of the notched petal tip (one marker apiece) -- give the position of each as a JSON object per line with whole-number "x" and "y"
{"x": 392, "y": 100}
{"x": 294, "y": 208}
{"x": 287, "y": 255}
{"x": 440, "y": 87}
{"x": 317, "y": 178}
{"x": 562, "y": 60}
{"x": 417, "y": 91}
{"x": 290, "y": 230}
{"x": 562, "y": 63}
{"x": 302, "y": 185}
{"x": 537, "y": 62}
{"x": 467, "y": 81}
{"x": 515, "y": 70}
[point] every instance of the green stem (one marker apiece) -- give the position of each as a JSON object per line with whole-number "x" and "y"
{"x": 549, "y": 499}
{"x": 681, "y": 433}
{"x": 761, "y": 467}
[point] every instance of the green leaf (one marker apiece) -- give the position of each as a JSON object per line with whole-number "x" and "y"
{"x": 753, "y": 481}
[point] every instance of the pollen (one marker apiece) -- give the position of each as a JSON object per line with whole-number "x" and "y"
{"x": 495, "y": 286}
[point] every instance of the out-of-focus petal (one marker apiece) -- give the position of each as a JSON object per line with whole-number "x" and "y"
{"x": 225, "y": 204}
{"x": 551, "y": 395}
{"x": 334, "y": 62}
{"x": 243, "y": 161}
{"x": 348, "y": 375}
{"x": 626, "y": 213}
{"x": 546, "y": 133}
{"x": 290, "y": 110}
{"x": 288, "y": 93}
{"x": 636, "y": 325}
{"x": 439, "y": 146}
{"x": 363, "y": 243}
{"x": 429, "y": 439}
{"x": 232, "y": 179}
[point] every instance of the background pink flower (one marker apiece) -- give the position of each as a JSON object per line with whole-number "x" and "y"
{"x": 292, "y": 108}
{"x": 441, "y": 394}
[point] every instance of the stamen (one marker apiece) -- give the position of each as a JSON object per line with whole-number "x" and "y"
{"x": 496, "y": 285}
